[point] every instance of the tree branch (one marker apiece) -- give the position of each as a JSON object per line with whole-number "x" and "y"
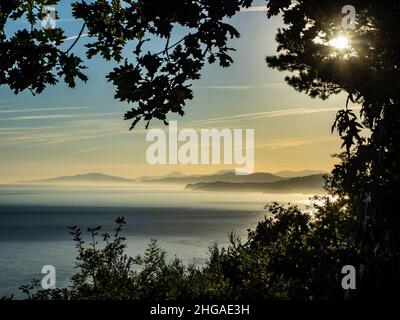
{"x": 77, "y": 38}
{"x": 170, "y": 47}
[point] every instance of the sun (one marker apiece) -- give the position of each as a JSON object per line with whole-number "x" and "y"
{"x": 340, "y": 43}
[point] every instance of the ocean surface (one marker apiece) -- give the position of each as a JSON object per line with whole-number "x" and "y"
{"x": 34, "y": 221}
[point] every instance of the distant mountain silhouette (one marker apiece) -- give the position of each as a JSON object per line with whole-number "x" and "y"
{"x": 296, "y": 174}
{"x": 220, "y": 181}
{"x": 224, "y": 176}
{"x": 308, "y": 184}
{"x": 86, "y": 178}
{"x": 175, "y": 174}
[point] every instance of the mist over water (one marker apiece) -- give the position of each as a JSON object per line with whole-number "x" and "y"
{"x": 34, "y": 221}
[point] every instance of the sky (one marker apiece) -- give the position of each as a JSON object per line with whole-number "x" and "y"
{"x": 67, "y": 131}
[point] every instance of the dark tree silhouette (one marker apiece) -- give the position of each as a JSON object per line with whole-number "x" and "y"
{"x": 368, "y": 177}
{"x": 156, "y": 83}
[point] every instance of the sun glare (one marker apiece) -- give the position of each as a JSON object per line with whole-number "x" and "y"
{"x": 340, "y": 42}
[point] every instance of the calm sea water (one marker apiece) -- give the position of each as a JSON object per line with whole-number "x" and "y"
{"x": 34, "y": 221}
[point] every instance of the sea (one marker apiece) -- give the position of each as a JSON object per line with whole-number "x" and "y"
{"x": 34, "y": 223}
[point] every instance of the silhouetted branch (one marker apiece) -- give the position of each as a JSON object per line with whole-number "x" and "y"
{"x": 77, "y": 38}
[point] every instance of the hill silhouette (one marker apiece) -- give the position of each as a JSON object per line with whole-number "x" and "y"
{"x": 94, "y": 177}
{"x": 225, "y": 176}
{"x": 308, "y": 184}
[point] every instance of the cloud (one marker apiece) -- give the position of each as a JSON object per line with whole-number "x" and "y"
{"x": 24, "y": 129}
{"x": 39, "y": 22}
{"x": 273, "y": 84}
{"x": 87, "y": 150}
{"x": 255, "y": 9}
{"x": 275, "y": 145}
{"x": 281, "y": 144}
{"x": 60, "y": 116}
{"x": 75, "y": 37}
{"x": 234, "y": 87}
{"x": 42, "y": 117}
{"x": 6, "y": 133}
{"x": 269, "y": 114}
{"x": 79, "y": 137}
{"x": 43, "y": 109}
{"x": 69, "y": 20}
{"x": 52, "y": 137}
{"x": 74, "y": 127}
{"x": 242, "y": 87}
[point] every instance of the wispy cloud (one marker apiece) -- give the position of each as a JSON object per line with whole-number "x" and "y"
{"x": 242, "y": 86}
{"x": 273, "y": 84}
{"x": 72, "y": 138}
{"x": 234, "y": 87}
{"x": 43, "y": 109}
{"x": 22, "y": 129}
{"x": 75, "y": 37}
{"x": 269, "y": 114}
{"x": 39, "y": 22}
{"x": 53, "y": 136}
{"x": 74, "y": 127}
{"x": 6, "y": 133}
{"x": 107, "y": 125}
{"x": 281, "y": 144}
{"x": 60, "y": 116}
{"x": 69, "y": 20}
{"x": 255, "y": 9}
{"x": 42, "y": 117}
{"x": 87, "y": 150}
